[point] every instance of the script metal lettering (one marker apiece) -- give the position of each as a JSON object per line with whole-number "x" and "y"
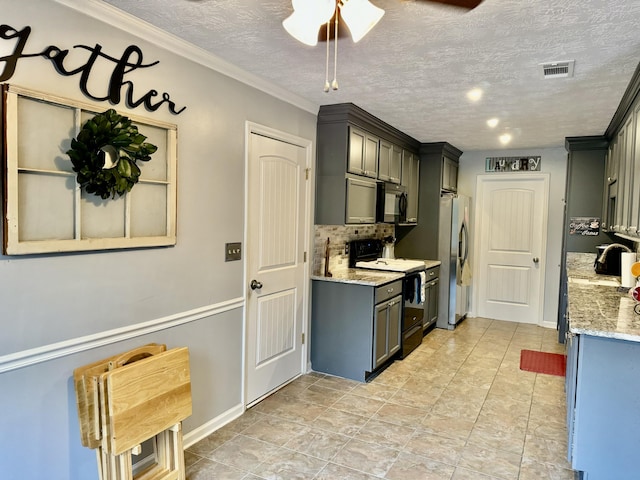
{"x": 130, "y": 60}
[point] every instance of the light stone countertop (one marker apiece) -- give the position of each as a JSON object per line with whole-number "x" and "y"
{"x": 598, "y": 310}
{"x": 362, "y": 276}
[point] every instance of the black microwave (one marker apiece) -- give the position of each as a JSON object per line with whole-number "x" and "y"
{"x": 391, "y": 203}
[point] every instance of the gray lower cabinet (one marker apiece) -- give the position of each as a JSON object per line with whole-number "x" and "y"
{"x": 431, "y": 305}
{"x": 431, "y": 297}
{"x": 355, "y": 329}
{"x": 361, "y": 201}
{"x": 386, "y": 332}
{"x": 603, "y": 418}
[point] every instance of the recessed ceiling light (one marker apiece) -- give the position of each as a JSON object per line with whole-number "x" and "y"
{"x": 475, "y": 94}
{"x": 505, "y": 138}
{"x": 493, "y": 122}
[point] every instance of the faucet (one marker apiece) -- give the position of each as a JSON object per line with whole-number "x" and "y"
{"x": 603, "y": 255}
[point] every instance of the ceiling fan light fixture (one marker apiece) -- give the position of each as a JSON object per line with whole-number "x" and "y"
{"x": 360, "y": 16}
{"x": 307, "y": 18}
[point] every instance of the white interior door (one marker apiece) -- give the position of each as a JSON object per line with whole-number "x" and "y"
{"x": 511, "y": 222}
{"x": 276, "y": 220}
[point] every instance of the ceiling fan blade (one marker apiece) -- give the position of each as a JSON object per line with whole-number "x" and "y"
{"x": 468, "y": 4}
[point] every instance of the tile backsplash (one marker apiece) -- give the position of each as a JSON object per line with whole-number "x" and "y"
{"x": 339, "y": 236}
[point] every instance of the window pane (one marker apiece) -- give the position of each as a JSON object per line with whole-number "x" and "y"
{"x": 46, "y": 207}
{"x": 148, "y": 210}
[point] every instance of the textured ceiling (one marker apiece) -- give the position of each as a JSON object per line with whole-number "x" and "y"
{"x": 414, "y": 68}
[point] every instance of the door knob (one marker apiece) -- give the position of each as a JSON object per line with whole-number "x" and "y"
{"x": 255, "y": 285}
{"x": 536, "y": 259}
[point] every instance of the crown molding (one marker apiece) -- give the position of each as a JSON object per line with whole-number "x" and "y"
{"x": 107, "y": 13}
{"x": 628, "y": 98}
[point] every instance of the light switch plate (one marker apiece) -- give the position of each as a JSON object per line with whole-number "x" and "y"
{"x": 233, "y": 251}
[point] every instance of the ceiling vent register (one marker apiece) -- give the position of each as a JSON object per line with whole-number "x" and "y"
{"x": 558, "y": 69}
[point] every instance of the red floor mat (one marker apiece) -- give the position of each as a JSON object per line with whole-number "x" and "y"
{"x": 543, "y": 362}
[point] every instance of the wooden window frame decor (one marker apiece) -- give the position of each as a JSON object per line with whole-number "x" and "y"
{"x": 44, "y": 208}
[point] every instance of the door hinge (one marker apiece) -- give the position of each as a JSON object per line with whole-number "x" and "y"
{"x": 306, "y": 173}
{"x": 305, "y": 257}
{"x": 303, "y": 339}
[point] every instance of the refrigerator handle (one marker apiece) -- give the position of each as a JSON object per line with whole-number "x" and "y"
{"x": 464, "y": 239}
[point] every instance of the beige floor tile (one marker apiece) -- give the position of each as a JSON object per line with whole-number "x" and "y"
{"x": 208, "y": 444}
{"x": 339, "y": 421}
{"x": 546, "y": 450}
{"x": 385, "y": 434}
{"x": 506, "y": 437}
{"x": 414, "y": 467}
{"x": 457, "y": 408}
{"x": 288, "y": 465}
{"x": 376, "y": 391}
{"x": 436, "y": 447}
{"x": 366, "y": 457}
{"x": 531, "y": 470}
{"x": 497, "y": 463}
{"x": 317, "y": 443}
{"x": 314, "y": 394}
{"x": 400, "y": 414}
{"x": 209, "y": 470}
{"x": 450, "y": 427}
{"x": 462, "y": 473}
{"x": 363, "y": 406}
{"x": 337, "y": 383}
{"x": 333, "y": 471}
{"x": 275, "y": 430}
{"x": 244, "y": 453}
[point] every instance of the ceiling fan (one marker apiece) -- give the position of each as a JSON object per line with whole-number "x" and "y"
{"x": 360, "y": 16}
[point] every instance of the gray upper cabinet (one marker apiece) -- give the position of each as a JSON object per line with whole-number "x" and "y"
{"x": 411, "y": 181}
{"x": 361, "y": 201}
{"x": 449, "y": 182}
{"x": 354, "y": 150}
{"x": 621, "y": 196}
{"x": 363, "y": 153}
{"x": 421, "y": 240}
{"x": 389, "y": 162}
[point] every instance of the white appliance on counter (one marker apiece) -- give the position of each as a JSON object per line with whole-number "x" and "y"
{"x": 453, "y": 252}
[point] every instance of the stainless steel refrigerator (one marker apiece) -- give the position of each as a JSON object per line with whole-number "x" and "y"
{"x": 453, "y": 252}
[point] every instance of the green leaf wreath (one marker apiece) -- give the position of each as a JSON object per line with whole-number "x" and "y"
{"x": 112, "y": 137}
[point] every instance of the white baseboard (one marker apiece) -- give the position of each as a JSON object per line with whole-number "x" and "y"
{"x": 194, "y": 436}
{"x": 549, "y": 325}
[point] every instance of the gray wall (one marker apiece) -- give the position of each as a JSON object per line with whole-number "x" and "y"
{"x": 88, "y": 302}
{"x": 585, "y": 189}
{"x": 554, "y": 162}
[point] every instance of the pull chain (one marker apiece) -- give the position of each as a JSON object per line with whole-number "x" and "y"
{"x": 334, "y": 83}
{"x": 326, "y": 70}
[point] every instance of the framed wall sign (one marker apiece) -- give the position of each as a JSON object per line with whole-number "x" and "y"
{"x": 512, "y": 164}
{"x": 44, "y": 208}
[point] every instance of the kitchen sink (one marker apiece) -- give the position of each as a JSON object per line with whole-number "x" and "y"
{"x": 595, "y": 281}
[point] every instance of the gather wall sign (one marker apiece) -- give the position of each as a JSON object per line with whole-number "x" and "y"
{"x": 118, "y": 86}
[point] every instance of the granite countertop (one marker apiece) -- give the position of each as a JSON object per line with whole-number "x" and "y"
{"x": 362, "y": 276}
{"x": 598, "y": 310}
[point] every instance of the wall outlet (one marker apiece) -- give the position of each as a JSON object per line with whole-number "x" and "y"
{"x": 232, "y": 251}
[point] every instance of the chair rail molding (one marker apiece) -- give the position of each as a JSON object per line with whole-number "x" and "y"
{"x": 45, "y": 353}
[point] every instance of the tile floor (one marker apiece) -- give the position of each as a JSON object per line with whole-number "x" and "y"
{"x": 457, "y": 408}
